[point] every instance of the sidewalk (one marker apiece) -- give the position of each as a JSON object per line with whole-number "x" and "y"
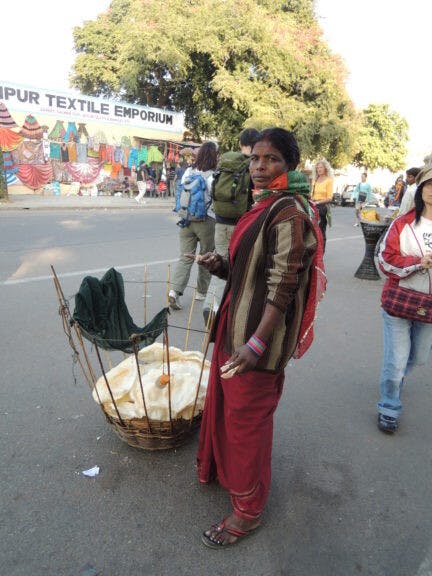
{"x": 51, "y": 202}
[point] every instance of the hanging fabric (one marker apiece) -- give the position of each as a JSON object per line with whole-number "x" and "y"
{"x": 31, "y": 128}
{"x": 58, "y": 132}
{"x": 84, "y": 173}
{"x": 35, "y": 176}
{"x": 9, "y": 140}
{"x": 177, "y": 154}
{"x": 71, "y": 134}
{"x": 6, "y": 120}
{"x": 82, "y": 133}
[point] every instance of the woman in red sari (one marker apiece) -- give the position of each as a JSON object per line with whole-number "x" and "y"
{"x": 265, "y": 318}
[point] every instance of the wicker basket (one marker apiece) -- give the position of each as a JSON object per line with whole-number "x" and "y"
{"x": 156, "y": 436}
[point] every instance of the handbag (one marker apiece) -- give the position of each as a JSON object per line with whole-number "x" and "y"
{"x": 406, "y": 303}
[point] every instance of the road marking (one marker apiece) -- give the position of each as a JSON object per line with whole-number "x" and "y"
{"x": 125, "y": 267}
{"x": 426, "y": 566}
{"x": 343, "y": 238}
{"x": 85, "y": 272}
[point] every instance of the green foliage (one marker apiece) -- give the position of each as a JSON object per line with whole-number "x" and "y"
{"x": 3, "y": 182}
{"x": 382, "y": 139}
{"x": 227, "y": 64}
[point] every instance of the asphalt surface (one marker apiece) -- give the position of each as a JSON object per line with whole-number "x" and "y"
{"x": 345, "y": 498}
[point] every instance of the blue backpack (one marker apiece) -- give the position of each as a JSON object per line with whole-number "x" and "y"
{"x": 190, "y": 200}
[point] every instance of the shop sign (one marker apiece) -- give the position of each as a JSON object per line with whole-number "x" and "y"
{"x": 75, "y": 106}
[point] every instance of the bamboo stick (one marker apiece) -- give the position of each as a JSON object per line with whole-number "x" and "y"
{"x": 145, "y": 294}
{"x": 189, "y": 320}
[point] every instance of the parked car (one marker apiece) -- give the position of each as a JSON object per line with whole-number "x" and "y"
{"x": 336, "y": 199}
{"x": 348, "y": 200}
{"x": 347, "y": 195}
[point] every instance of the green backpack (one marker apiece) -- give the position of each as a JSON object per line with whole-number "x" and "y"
{"x": 230, "y": 187}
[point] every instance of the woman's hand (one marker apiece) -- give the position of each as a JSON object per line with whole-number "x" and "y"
{"x": 241, "y": 361}
{"x": 211, "y": 261}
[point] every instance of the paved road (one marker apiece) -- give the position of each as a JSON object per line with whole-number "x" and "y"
{"x": 345, "y": 498}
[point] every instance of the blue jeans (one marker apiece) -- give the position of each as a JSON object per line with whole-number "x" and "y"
{"x": 407, "y": 343}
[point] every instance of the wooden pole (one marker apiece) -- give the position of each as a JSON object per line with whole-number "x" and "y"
{"x": 145, "y": 294}
{"x": 190, "y": 320}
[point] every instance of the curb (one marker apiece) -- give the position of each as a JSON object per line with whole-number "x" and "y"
{"x": 55, "y": 203}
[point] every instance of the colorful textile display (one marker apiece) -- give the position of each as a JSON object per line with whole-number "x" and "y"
{"x": 58, "y": 132}
{"x": 31, "y": 128}
{"x": 72, "y": 151}
{"x": 133, "y": 156}
{"x": 9, "y": 163}
{"x": 60, "y": 172}
{"x": 29, "y": 152}
{"x": 35, "y": 176}
{"x": 84, "y": 173}
{"x": 81, "y": 153}
{"x": 71, "y": 134}
{"x": 6, "y": 120}
{"x": 64, "y": 153}
{"x": 55, "y": 150}
{"x": 154, "y": 155}
{"x": 83, "y": 135}
{"x": 9, "y": 140}
{"x": 142, "y": 155}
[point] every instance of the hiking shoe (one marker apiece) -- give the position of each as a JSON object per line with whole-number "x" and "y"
{"x": 174, "y": 300}
{"x": 200, "y": 297}
{"x": 387, "y": 423}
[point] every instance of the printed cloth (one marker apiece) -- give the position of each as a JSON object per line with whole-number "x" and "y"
{"x": 35, "y": 176}
{"x": 9, "y": 140}
{"x": 6, "y": 120}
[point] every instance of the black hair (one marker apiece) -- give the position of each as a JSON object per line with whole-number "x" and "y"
{"x": 412, "y": 171}
{"x": 248, "y": 137}
{"x": 419, "y": 202}
{"x": 285, "y": 142}
{"x": 207, "y": 157}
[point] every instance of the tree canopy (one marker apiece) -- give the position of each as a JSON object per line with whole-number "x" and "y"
{"x": 227, "y": 64}
{"x": 382, "y": 139}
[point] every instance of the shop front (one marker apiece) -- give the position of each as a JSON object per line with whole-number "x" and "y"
{"x": 68, "y": 143}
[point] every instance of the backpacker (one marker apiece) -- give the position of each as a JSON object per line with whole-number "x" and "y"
{"x": 230, "y": 187}
{"x": 190, "y": 198}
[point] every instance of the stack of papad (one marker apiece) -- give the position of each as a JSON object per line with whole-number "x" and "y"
{"x": 185, "y": 369}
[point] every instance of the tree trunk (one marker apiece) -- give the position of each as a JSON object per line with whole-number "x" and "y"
{"x": 3, "y": 182}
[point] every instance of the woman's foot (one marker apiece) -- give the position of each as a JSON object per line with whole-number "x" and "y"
{"x": 387, "y": 423}
{"x": 229, "y": 531}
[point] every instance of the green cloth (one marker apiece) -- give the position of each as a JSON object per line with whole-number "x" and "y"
{"x": 103, "y": 317}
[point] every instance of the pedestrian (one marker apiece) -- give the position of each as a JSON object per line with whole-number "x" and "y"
{"x": 171, "y": 179}
{"x": 322, "y": 193}
{"x": 196, "y": 232}
{"x": 406, "y": 259}
{"x": 225, "y": 224}
{"x": 407, "y": 203}
{"x": 395, "y": 194}
{"x": 142, "y": 175}
{"x": 362, "y": 195}
{"x": 270, "y": 292}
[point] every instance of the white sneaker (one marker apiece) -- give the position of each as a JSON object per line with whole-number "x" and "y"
{"x": 174, "y": 300}
{"x": 200, "y": 297}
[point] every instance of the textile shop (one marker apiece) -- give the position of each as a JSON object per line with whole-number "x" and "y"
{"x": 62, "y": 142}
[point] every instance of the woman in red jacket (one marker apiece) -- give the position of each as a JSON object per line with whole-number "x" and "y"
{"x": 406, "y": 258}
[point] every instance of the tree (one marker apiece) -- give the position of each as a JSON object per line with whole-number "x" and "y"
{"x": 225, "y": 64}
{"x": 382, "y": 139}
{"x": 3, "y": 181}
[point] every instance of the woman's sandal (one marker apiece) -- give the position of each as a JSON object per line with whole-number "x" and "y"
{"x": 220, "y": 528}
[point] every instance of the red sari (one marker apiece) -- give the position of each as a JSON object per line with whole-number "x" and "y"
{"x": 237, "y": 426}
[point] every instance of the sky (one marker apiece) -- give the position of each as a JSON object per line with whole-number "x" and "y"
{"x": 385, "y": 46}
